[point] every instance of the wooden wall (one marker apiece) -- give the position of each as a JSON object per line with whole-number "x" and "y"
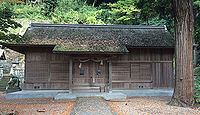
{"x": 45, "y": 70}
{"x": 143, "y": 68}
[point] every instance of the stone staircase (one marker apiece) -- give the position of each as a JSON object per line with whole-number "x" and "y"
{"x": 89, "y": 88}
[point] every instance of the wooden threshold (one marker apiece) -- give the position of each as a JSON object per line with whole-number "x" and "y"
{"x": 142, "y": 61}
{"x": 132, "y": 81}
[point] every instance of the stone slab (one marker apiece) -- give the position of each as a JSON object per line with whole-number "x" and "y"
{"x": 106, "y": 96}
{"x": 64, "y": 94}
{"x": 34, "y": 94}
{"x": 147, "y": 92}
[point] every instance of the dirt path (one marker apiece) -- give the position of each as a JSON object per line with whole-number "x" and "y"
{"x": 91, "y": 106}
{"x": 44, "y": 106}
{"x": 150, "y": 106}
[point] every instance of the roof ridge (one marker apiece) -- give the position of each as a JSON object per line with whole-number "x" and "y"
{"x": 97, "y": 26}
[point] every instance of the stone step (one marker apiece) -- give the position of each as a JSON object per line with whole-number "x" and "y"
{"x": 86, "y": 89}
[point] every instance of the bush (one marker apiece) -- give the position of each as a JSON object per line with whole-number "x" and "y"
{"x": 71, "y": 12}
{"x": 197, "y": 89}
{"x": 29, "y": 12}
{"x": 49, "y": 7}
{"x": 197, "y": 71}
{"x": 197, "y": 84}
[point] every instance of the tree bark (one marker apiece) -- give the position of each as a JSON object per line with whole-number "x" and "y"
{"x": 183, "y": 91}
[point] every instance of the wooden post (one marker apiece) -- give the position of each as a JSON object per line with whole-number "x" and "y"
{"x": 93, "y": 73}
{"x": 70, "y": 76}
{"x": 110, "y": 77}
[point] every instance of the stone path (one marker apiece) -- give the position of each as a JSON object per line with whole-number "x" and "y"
{"x": 91, "y": 106}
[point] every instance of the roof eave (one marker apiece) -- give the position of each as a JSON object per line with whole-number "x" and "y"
{"x": 21, "y": 48}
{"x": 88, "y": 52}
{"x": 167, "y": 47}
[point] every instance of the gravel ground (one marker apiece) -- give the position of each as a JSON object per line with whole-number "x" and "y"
{"x": 149, "y": 106}
{"x": 91, "y": 106}
{"x": 45, "y": 106}
{"x": 94, "y": 106}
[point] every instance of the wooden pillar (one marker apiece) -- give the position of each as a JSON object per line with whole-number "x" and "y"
{"x": 94, "y": 73}
{"x": 110, "y": 77}
{"x": 70, "y": 76}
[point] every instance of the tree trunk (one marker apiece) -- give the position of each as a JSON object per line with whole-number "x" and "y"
{"x": 183, "y": 92}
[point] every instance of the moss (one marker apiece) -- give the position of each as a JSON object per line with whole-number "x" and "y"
{"x": 97, "y": 37}
{"x": 62, "y": 47}
{"x": 97, "y": 48}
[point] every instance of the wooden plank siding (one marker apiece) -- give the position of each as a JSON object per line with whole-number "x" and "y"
{"x": 143, "y": 68}
{"x": 45, "y": 70}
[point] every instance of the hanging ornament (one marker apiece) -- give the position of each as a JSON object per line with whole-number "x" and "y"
{"x": 80, "y": 65}
{"x": 101, "y": 63}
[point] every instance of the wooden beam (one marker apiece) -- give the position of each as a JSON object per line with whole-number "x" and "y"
{"x": 142, "y": 61}
{"x": 25, "y": 72}
{"x": 70, "y": 76}
{"x": 132, "y": 81}
{"x": 110, "y": 77}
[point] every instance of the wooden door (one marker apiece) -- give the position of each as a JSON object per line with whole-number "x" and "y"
{"x": 100, "y": 74}
{"x": 91, "y": 74}
{"x": 81, "y": 74}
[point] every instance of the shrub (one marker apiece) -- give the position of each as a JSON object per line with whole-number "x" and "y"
{"x": 197, "y": 84}
{"x": 29, "y": 12}
{"x": 49, "y": 7}
{"x": 197, "y": 89}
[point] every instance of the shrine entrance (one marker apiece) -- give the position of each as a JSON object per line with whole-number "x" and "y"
{"x": 90, "y": 76}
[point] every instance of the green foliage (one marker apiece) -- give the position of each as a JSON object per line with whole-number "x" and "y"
{"x": 197, "y": 27}
{"x": 88, "y": 15}
{"x": 197, "y": 20}
{"x": 197, "y": 84}
{"x": 65, "y": 5}
{"x": 156, "y": 12}
{"x": 148, "y": 10}
{"x": 197, "y": 89}
{"x": 155, "y": 8}
{"x": 49, "y": 7}
{"x": 67, "y": 11}
{"x": 30, "y": 12}
{"x": 74, "y": 12}
{"x": 197, "y": 71}
{"x": 121, "y": 12}
{"x": 7, "y": 23}
{"x": 156, "y": 21}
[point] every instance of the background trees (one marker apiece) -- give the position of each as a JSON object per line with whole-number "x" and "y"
{"x": 7, "y": 23}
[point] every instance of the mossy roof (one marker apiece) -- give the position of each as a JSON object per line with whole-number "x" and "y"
{"x": 97, "y": 38}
